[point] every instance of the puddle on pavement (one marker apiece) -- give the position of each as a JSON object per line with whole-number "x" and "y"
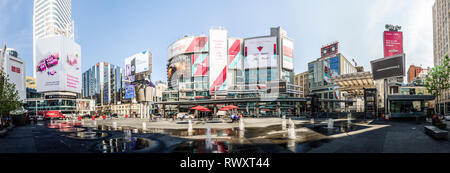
{"x": 201, "y": 146}
{"x": 121, "y": 145}
{"x": 338, "y": 128}
{"x": 58, "y": 125}
{"x": 86, "y": 135}
{"x": 67, "y": 130}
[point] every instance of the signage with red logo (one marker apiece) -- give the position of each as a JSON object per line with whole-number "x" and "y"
{"x": 393, "y": 43}
{"x": 329, "y": 50}
{"x": 15, "y": 69}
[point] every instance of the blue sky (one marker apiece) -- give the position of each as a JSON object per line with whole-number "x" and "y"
{"x": 111, "y": 30}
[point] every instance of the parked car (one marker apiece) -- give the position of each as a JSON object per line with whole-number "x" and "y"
{"x": 114, "y": 115}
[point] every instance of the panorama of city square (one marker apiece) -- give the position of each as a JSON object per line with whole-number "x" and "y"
{"x": 219, "y": 87}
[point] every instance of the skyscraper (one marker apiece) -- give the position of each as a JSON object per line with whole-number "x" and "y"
{"x": 51, "y": 17}
{"x": 441, "y": 43}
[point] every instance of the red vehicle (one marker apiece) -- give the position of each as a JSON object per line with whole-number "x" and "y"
{"x": 53, "y": 114}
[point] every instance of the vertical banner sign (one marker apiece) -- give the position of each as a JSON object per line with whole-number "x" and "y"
{"x": 393, "y": 43}
{"x": 288, "y": 54}
{"x": 218, "y": 59}
{"x": 59, "y": 65}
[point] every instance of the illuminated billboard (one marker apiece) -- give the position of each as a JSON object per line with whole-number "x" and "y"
{"x": 129, "y": 91}
{"x": 235, "y": 53}
{"x": 188, "y": 45}
{"x": 329, "y": 50}
{"x": 260, "y": 52}
{"x": 218, "y": 59}
{"x": 388, "y": 67}
{"x": 58, "y": 65}
{"x": 288, "y": 54}
{"x": 138, "y": 63}
{"x": 393, "y": 43}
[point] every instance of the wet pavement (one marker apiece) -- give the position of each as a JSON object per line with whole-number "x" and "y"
{"x": 342, "y": 136}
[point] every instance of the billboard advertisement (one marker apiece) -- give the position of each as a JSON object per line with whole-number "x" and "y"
{"x": 178, "y": 70}
{"x": 129, "y": 91}
{"x": 199, "y": 65}
{"x": 138, "y": 63}
{"x": 58, "y": 65}
{"x": 235, "y": 53}
{"x": 329, "y": 50}
{"x": 218, "y": 61}
{"x": 393, "y": 43}
{"x": 188, "y": 45}
{"x": 260, "y": 52}
{"x": 393, "y": 66}
{"x": 288, "y": 54}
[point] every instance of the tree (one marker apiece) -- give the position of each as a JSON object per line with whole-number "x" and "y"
{"x": 438, "y": 80}
{"x": 9, "y": 96}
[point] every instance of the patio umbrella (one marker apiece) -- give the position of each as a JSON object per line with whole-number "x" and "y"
{"x": 204, "y": 110}
{"x": 224, "y": 109}
{"x": 198, "y": 108}
{"x": 232, "y": 107}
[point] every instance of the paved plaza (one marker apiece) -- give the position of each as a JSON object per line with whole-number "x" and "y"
{"x": 263, "y": 135}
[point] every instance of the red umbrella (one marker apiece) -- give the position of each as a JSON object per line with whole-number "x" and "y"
{"x": 232, "y": 107}
{"x": 225, "y": 109}
{"x": 204, "y": 110}
{"x": 198, "y": 108}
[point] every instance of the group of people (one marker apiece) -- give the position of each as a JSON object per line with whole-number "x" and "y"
{"x": 236, "y": 117}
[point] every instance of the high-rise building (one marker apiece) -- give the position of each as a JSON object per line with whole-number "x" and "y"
{"x": 13, "y": 66}
{"x": 51, "y": 17}
{"x": 103, "y": 82}
{"x": 441, "y": 43}
{"x": 302, "y": 81}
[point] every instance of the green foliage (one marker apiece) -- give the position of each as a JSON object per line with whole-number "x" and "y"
{"x": 438, "y": 78}
{"x": 9, "y": 96}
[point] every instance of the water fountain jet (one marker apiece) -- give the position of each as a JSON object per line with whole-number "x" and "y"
{"x": 291, "y": 131}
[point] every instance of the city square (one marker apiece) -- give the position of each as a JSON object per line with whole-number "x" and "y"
{"x": 145, "y": 77}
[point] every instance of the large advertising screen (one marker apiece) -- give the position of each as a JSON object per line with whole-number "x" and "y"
{"x": 178, "y": 70}
{"x": 58, "y": 65}
{"x": 138, "y": 63}
{"x": 188, "y": 45}
{"x": 235, "y": 56}
{"x": 129, "y": 91}
{"x": 393, "y": 43}
{"x": 218, "y": 59}
{"x": 388, "y": 67}
{"x": 288, "y": 54}
{"x": 260, "y": 52}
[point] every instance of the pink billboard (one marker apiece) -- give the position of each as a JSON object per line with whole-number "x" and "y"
{"x": 393, "y": 43}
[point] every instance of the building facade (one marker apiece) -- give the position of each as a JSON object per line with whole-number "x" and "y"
{"x": 14, "y": 67}
{"x": 203, "y": 67}
{"x": 302, "y": 81}
{"x": 441, "y": 43}
{"x": 320, "y": 74}
{"x": 103, "y": 83}
{"x": 51, "y": 17}
{"x": 413, "y": 72}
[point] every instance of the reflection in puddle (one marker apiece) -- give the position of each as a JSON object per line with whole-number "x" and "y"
{"x": 121, "y": 145}
{"x": 87, "y": 135}
{"x": 304, "y": 147}
{"x": 338, "y": 128}
{"x": 70, "y": 130}
{"x": 201, "y": 146}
